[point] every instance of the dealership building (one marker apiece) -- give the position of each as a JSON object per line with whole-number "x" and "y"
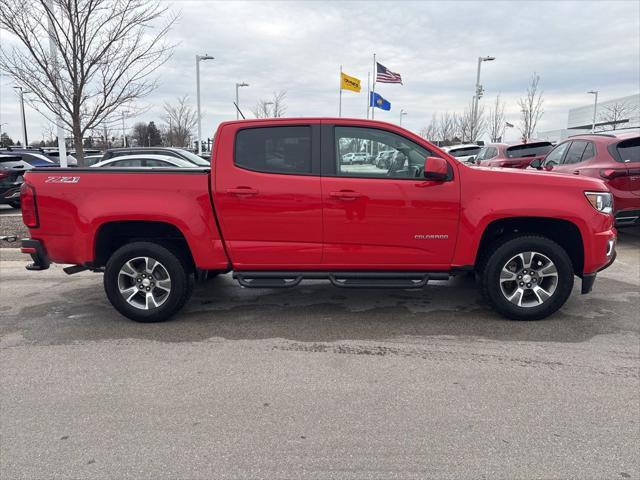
{"x": 617, "y": 113}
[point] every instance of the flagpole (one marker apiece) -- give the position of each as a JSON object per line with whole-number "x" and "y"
{"x": 375, "y": 73}
{"x": 368, "y": 94}
{"x": 340, "y": 89}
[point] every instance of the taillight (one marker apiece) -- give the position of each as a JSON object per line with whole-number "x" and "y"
{"x": 28, "y": 206}
{"x": 4, "y": 175}
{"x": 610, "y": 173}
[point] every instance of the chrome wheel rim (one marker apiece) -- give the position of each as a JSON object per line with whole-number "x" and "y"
{"x": 528, "y": 279}
{"x": 144, "y": 283}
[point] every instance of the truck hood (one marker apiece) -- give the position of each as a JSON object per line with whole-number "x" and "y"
{"x": 534, "y": 177}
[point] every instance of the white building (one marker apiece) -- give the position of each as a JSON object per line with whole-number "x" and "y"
{"x": 617, "y": 113}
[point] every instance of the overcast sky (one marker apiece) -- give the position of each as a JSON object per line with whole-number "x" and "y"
{"x": 299, "y": 46}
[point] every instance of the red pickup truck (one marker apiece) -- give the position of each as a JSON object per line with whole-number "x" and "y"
{"x": 279, "y": 206}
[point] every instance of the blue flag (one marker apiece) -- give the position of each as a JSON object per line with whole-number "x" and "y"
{"x": 376, "y": 100}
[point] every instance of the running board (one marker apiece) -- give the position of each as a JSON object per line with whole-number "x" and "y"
{"x": 285, "y": 279}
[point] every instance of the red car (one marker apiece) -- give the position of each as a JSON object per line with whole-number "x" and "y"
{"x": 512, "y": 155}
{"x": 279, "y": 205}
{"x": 613, "y": 157}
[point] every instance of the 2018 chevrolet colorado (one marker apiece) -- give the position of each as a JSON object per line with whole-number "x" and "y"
{"x": 279, "y": 205}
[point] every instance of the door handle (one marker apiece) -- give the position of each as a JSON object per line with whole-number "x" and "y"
{"x": 345, "y": 195}
{"x": 242, "y": 191}
{"x": 576, "y": 172}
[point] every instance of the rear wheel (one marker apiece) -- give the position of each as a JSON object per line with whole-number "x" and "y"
{"x": 146, "y": 282}
{"x": 528, "y": 277}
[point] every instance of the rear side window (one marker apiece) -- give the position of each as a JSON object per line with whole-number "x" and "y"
{"x": 125, "y": 163}
{"x": 576, "y": 150}
{"x": 274, "y": 149}
{"x": 529, "y": 150}
{"x": 629, "y": 150}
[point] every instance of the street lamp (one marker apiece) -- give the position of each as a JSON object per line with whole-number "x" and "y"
{"x": 402, "y": 114}
{"x": 479, "y": 92}
{"x": 238, "y": 85}
{"x": 595, "y": 109}
{"x": 124, "y": 132}
{"x": 198, "y": 59}
{"x": 266, "y": 110}
{"x": 20, "y": 91}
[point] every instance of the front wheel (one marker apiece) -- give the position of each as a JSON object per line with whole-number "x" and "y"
{"x": 146, "y": 282}
{"x": 528, "y": 277}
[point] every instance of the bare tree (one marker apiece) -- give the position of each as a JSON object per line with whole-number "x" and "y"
{"x": 273, "y": 107}
{"x": 430, "y": 132}
{"x": 531, "y": 108}
{"x": 447, "y": 127}
{"x": 180, "y": 120}
{"x": 497, "y": 122}
{"x": 107, "y": 54}
{"x": 618, "y": 112}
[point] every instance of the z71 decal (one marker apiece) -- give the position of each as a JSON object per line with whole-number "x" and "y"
{"x": 62, "y": 179}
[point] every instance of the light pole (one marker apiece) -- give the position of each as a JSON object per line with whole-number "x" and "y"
{"x": 479, "y": 92}
{"x": 198, "y": 59}
{"x": 266, "y": 110}
{"x": 124, "y": 132}
{"x": 20, "y": 91}
{"x": 402, "y": 114}
{"x": 238, "y": 85}
{"x": 62, "y": 145}
{"x": 595, "y": 109}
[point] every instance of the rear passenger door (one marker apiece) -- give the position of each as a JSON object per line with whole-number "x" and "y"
{"x": 267, "y": 195}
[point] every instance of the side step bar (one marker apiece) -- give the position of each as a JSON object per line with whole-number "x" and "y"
{"x": 285, "y": 279}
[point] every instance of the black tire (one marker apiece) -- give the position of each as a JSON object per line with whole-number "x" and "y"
{"x": 179, "y": 271}
{"x": 506, "y": 250}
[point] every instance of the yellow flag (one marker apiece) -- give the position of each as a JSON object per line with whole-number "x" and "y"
{"x": 349, "y": 83}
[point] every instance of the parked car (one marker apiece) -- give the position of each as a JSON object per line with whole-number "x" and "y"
{"x": 613, "y": 157}
{"x": 166, "y": 151}
{"x": 465, "y": 153}
{"x": 12, "y": 170}
{"x": 54, "y": 154}
{"x": 138, "y": 161}
{"x": 512, "y": 155}
{"x": 90, "y": 160}
{"x": 32, "y": 156}
{"x": 276, "y": 209}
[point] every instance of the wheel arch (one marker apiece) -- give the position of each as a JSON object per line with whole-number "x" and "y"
{"x": 114, "y": 234}
{"x": 563, "y": 232}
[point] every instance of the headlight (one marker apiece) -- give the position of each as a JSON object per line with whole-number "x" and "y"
{"x": 601, "y": 201}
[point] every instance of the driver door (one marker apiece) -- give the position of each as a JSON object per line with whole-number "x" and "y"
{"x": 384, "y": 218}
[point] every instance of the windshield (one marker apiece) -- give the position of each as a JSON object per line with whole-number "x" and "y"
{"x": 193, "y": 158}
{"x": 464, "y": 152}
{"x": 529, "y": 150}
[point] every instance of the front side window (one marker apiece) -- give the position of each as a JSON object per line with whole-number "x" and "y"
{"x": 285, "y": 150}
{"x": 395, "y": 156}
{"x": 555, "y": 156}
{"x": 491, "y": 153}
{"x": 151, "y": 162}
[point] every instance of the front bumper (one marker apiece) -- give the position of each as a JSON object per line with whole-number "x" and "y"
{"x": 588, "y": 279}
{"x": 38, "y": 255}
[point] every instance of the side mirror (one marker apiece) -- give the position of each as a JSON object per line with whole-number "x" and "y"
{"x": 436, "y": 168}
{"x": 471, "y": 160}
{"x": 548, "y": 166}
{"x": 537, "y": 163}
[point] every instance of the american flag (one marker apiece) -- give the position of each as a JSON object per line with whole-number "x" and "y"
{"x": 384, "y": 75}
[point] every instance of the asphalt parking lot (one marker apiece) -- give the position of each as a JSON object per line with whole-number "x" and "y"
{"x": 317, "y": 382}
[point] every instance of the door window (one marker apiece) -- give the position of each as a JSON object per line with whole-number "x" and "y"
{"x": 126, "y": 163}
{"x": 402, "y": 158}
{"x": 157, "y": 163}
{"x": 491, "y": 153}
{"x": 285, "y": 150}
{"x": 574, "y": 154}
{"x": 555, "y": 156}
